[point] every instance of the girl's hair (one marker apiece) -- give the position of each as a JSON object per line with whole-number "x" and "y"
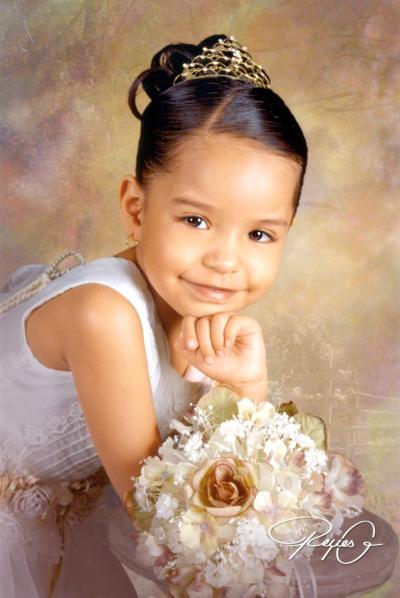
{"x": 208, "y": 105}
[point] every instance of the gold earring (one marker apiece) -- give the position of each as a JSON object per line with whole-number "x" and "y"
{"x": 131, "y": 241}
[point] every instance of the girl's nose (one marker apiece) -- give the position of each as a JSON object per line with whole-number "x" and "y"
{"x": 222, "y": 257}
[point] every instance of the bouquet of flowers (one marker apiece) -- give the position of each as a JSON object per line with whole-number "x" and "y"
{"x": 230, "y": 492}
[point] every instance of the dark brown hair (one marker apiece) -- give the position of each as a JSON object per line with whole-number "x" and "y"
{"x": 210, "y": 104}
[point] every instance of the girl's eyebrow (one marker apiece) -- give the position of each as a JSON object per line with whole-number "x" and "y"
{"x": 198, "y": 204}
{"x": 192, "y": 202}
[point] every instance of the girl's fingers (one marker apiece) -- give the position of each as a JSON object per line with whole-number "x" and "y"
{"x": 204, "y": 338}
{"x": 217, "y": 331}
{"x": 211, "y": 335}
{"x": 238, "y": 325}
{"x": 188, "y": 333}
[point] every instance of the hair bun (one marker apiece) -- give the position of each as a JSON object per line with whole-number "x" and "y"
{"x": 165, "y": 66}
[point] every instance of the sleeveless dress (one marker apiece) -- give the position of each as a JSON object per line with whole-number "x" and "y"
{"x": 63, "y": 530}
{"x": 55, "y": 500}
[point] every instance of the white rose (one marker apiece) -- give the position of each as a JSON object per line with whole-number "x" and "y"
{"x": 32, "y": 502}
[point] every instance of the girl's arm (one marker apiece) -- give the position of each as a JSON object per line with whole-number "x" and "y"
{"x": 102, "y": 342}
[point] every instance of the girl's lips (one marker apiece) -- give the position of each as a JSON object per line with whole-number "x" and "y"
{"x": 210, "y": 292}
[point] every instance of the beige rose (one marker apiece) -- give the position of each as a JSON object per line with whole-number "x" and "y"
{"x": 223, "y": 486}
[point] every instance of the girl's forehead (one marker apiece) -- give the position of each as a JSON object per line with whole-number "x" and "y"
{"x": 239, "y": 194}
{"x": 210, "y": 146}
{"x": 221, "y": 166}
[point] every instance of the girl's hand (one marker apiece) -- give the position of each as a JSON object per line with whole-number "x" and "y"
{"x": 226, "y": 347}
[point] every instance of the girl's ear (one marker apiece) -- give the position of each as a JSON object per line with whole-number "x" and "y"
{"x": 131, "y": 196}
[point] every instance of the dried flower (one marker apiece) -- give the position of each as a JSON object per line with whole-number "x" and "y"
{"x": 223, "y": 487}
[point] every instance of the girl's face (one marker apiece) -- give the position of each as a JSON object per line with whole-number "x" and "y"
{"x": 212, "y": 230}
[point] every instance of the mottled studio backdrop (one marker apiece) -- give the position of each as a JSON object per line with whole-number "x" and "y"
{"x": 332, "y": 320}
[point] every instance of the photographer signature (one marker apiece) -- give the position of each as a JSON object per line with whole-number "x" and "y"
{"x": 336, "y": 543}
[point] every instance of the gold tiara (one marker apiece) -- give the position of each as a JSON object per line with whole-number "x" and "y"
{"x": 227, "y": 58}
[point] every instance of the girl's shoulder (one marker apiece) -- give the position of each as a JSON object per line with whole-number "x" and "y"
{"x": 89, "y": 285}
{"x": 120, "y": 274}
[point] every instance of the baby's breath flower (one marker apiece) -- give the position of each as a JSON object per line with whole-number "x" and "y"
{"x": 142, "y": 498}
{"x": 305, "y": 441}
{"x": 193, "y": 448}
{"x": 218, "y": 572}
{"x": 316, "y": 460}
{"x": 232, "y": 429}
{"x": 166, "y": 505}
{"x": 252, "y": 537}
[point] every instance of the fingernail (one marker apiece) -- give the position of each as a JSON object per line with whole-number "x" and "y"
{"x": 192, "y": 344}
{"x": 209, "y": 359}
{"x": 228, "y": 342}
{"x": 220, "y": 353}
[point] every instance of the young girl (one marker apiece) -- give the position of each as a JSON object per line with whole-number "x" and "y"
{"x": 96, "y": 362}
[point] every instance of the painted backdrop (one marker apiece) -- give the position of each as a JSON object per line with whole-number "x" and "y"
{"x": 332, "y": 320}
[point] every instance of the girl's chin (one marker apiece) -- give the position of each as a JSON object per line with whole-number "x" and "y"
{"x": 202, "y": 310}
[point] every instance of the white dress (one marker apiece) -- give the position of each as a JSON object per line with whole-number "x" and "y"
{"x": 45, "y": 446}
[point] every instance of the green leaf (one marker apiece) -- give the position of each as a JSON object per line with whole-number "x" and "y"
{"x": 142, "y": 519}
{"x": 313, "y": 426}
{"x": 223, "y": 402}
{"x": 289, "y": 408}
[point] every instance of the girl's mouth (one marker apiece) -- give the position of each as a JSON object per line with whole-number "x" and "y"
{"x": 209, "y": 292}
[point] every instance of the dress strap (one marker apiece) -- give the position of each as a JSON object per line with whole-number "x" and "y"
{"x": 39, "y": 283}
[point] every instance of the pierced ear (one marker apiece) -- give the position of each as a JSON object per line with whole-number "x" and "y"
{"x": 132, "y": 204}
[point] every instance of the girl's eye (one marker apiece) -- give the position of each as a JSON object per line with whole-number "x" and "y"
{"x": 194, "y": 220}
{"x": 258, "y": 236}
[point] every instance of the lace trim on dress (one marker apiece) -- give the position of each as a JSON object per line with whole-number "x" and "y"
{"x": 17, "y": 452}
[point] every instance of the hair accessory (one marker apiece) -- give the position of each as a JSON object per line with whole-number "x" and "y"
{"x": 227, "y": 58}
{"x": 131, "y": 241}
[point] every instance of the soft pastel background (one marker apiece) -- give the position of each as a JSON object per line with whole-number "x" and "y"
{"x": 332, "y": 320}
